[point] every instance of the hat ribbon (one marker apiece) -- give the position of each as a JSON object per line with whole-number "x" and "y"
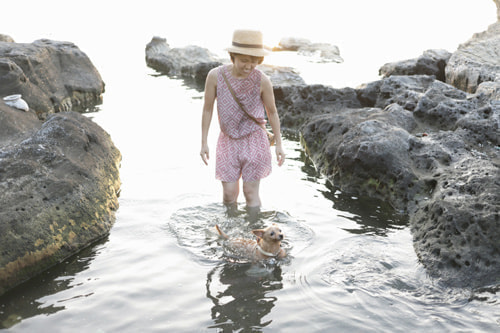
{"x": 249, "y": 46}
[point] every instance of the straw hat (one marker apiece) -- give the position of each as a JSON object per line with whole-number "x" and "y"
{"x": 249, "y": 42}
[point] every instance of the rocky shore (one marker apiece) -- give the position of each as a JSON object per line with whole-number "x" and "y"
{"x": 425, "y": 138}
{"x": 59, "y": 176}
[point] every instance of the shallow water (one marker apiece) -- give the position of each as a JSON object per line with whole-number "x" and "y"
{"x": 351, "y": 264}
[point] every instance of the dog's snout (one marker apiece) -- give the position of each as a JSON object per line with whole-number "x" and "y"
{"x": 281, "y": 236}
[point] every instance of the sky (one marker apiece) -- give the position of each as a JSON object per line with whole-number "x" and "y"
{"x": 364, "y": 30}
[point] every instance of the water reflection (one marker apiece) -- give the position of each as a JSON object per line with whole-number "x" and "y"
{"x": 26, "y": 300}
{"x": 242, "y": 295}
{"x": 371, "y": 215}
{"x": 188, "y": 82}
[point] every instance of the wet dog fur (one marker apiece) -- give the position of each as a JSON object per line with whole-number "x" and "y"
{"x": 267, "y": 246}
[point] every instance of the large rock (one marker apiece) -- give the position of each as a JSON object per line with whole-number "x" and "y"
{"x": 58, "y": 190}
{"x": 432, "y": 62}
{"x": 476, "y": 61}
{"x": 192, "y": 63}
{"x": 429, "y": 148}
{"x": 423, "y": 146}
{"x": 58, "y": 178}
{"x": 297, "y": 104}
{"x": 456, "y": 230}
{"x": 52, "y": 76}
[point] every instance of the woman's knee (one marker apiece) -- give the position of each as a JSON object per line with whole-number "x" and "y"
{"x": 251, "y": 192}
{"x": 230, "y": 192}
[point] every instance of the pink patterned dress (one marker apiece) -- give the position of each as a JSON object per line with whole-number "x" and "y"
{"x": 243, "y": 147}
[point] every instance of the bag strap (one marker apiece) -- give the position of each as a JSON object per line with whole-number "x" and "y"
{"x": 238, "y": 101}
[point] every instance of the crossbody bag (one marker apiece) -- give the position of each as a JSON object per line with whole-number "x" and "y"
{"x": 270, "y": 135}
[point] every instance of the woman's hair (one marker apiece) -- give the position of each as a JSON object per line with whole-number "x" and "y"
{"x": 259, "y": 59}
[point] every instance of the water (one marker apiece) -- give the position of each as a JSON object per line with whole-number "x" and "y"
{"x": 351, "y": 267}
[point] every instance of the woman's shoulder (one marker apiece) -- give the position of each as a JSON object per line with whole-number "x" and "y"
{"x": 212, "y": 76}
{"x": 264, "y": 79}
{"x": 216, "y": 70}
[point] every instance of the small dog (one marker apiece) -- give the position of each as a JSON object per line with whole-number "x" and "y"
{"x": 267, "y": 246}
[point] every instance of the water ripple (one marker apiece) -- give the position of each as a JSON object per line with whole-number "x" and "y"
{"x": 194, "y": 229}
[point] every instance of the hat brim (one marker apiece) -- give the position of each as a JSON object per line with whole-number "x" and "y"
{"x": 248, "y": 51}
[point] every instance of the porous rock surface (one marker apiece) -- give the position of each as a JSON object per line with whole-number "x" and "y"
{"x": 59, "y": 175}
{"x": 428, "y": 148}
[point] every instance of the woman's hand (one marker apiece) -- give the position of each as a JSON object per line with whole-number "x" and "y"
{"x": 280, "y": 155}
{"x": 204, "y": 154}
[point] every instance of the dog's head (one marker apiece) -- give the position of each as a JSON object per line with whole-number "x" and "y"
{"x": 270, "y": 234}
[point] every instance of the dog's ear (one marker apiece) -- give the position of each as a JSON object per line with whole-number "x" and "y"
{"x": 258, "y": 232}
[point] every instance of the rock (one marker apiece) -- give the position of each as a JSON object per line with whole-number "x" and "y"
{"x": 456, "y": 230}
{"x": 421, "y": 145}
{"x": 51, "y": 76}
{"x": 58, "y": 190}
{"x": 15, "y": 125}
{"x": 403, "y": 90}
{"x": 326, "y": 52}
{"x": 6, "y": 38}
{"x": 366, "y": 151}
{"x": 490, "y": 90}
{"x": 59, "y": 178}
{"x": 282, "y": 76}
{"x": 476, "y": 61}
{"x": 432, "y": 62}
{"x": 298, "y": 104}
{"x": 292, "y": 44}
{"x": 191, "y": 62}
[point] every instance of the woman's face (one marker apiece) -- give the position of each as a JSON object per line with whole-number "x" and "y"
{"x": 244, "y": 64}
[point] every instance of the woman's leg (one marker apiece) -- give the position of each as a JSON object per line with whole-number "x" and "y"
{"x": 230, "y": 191}
{"x": 251, "y": 192}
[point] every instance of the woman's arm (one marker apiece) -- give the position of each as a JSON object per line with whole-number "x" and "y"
{"x": 272, "y": 116}
{"x": 208, "y": 108}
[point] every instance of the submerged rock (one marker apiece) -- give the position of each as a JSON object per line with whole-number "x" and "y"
{"x": 51, "y": 76}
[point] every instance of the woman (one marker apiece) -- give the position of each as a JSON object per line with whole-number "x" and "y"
{"x": 243, "y": 149}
